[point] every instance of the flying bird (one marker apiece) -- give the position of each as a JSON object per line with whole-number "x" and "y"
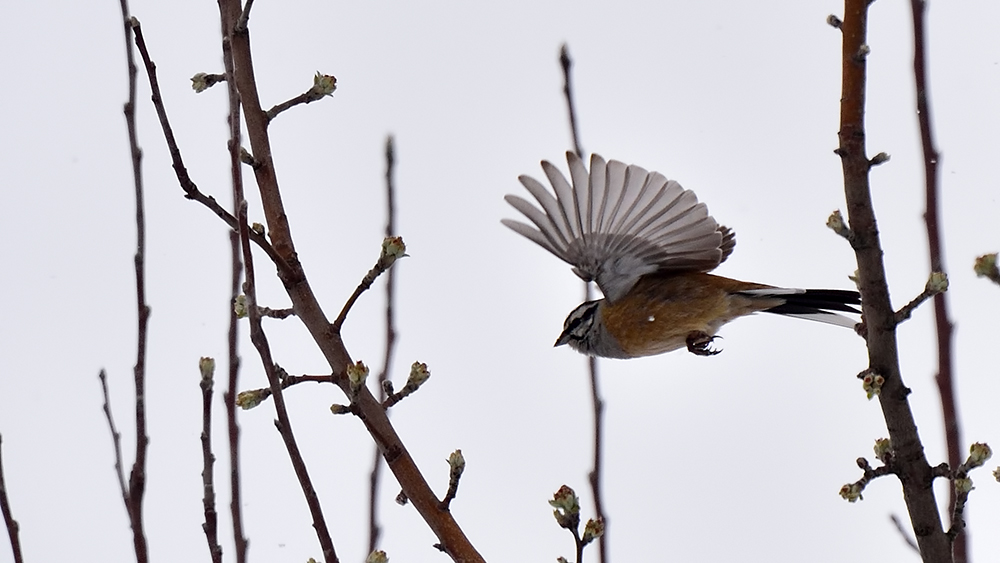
{"x": 649, "y": 244}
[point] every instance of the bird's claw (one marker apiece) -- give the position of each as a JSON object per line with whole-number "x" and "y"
{"x": 700, "y": 344}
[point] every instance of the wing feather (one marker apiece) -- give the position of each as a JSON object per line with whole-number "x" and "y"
{"x": 618, "y": 222}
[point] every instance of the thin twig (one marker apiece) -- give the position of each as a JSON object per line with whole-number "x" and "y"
{"x": 456, "y": 463}
{"x": 276, "y": 313}
{"x": 374, "y": 530}
{"x": 903, "y": 533}
{"x": 945, "y": 373}
{"x": 137, "y": 477}
{"x": 211, "y": 525}
{"x": 936, "y": 283}
{"x": 244, "y": 20}
{"x": 567, "y": 63}
{"x": 911, "y": 466}
{"x": 595, "y": 475}
{"x": 116, "y": 438}
{"x": 236, "y": 275}
{"x": 254, "y": 397}
{"x": 8, "y": 516}
{"x": 384, "y": 263}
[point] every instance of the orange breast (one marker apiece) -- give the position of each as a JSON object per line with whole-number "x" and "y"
{"x": 659, "y": 313}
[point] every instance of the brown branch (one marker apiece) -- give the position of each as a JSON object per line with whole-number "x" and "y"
{"x": 276, "y": 313}
{"x": 229, "y": 13}
{"x": 566, "y": 64}
{"x": 456, "y": 464}
{"x": 937, "y": 283}
{"x": 374, "y": 530}
{"x": 229, "y": 397}
{"x": 945, "y": 373}
{"x": 137, "y": 477}
{"x": 254, "y": 397}
{"x": 309, "y": 311}
{"x": 912, "y": 468}
{"x": 392, "y": 250}
{"x": 211, "y": 525}
{"x": 323, "y": 85}
{"x": 8, "y": 516}
{"x": 116, "y": 438}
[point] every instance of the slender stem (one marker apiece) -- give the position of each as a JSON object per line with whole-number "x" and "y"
{"x": 374, "y": 530}
{"x": 8, "y": 516}
{"x": 137, "y": 477}
{"x": 595, "y": 476}
{"x": 116, "y": 438}
{"x": 211, "y": 525}
{"x": 945, "y": 373}
{"x": 236, "y": 275}
{"x": 566, "y": 64}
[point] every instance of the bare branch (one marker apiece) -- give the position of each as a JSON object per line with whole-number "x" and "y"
{"x": 456, "y": 462}
{"x": 254, "y": 397}
{"x": 211, "y": 525}
{"x": 911, "y": 463}
{"x": 566, "y": 64}
{"x": 374, "y": 530}
{"x": 240, "y": 42}
{"x": 116, "y": 438}
{"x": 323, "y": 85}
{"x": 229, "y": 397}
{"x": 8, "y": 516}
{"x": 137, "y": 477}
{"x": 937, "y": 283}
{"x": 904, "y": 534}
{"x": 392, "y": 250}
{"x": 595, "y": 474}
{"x": 276, "y": 313}
{"x": 308, "y": 310}
{"x": 945, "y": 377}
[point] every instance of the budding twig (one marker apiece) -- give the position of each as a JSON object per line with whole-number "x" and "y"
{"x": 457, "y": 463}
{"x": 936, "y": 283}
{"x": 323, "y": 85}
{"x": 393, "y": 249}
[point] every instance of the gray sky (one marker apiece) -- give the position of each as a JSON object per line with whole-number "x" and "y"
{"x": 734, "y": 457}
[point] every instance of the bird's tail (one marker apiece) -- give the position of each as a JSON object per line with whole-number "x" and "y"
{"x": 812, "y": 304}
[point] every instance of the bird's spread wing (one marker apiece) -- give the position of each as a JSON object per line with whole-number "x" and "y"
{"x": 619, "y": 222}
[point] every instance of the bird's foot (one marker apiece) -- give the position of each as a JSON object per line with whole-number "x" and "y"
{"x": 700, "y": 344}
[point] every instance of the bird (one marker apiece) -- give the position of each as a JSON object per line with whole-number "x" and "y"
{"x": 650, "y": 245}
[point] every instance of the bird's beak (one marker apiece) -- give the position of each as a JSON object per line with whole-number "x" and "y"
{"x": 563, "y": 339}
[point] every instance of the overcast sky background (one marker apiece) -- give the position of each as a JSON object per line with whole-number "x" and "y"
{"x": 734, "y": 457}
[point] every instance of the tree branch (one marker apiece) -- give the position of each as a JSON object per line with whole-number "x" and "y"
{"x": 912, "y": 468}
{"x": 137, "y": 477}
{"x": 595, "y": 474}
{"x": 945, "y": 377}
{"x": 229, "y": 13}
{"x": 307, "y": 308}
{"x": 229, "y": 397}
{"x": 8, "y": 516}
{"x": 374, "y": 530}
{"x": 211, "y": 525}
